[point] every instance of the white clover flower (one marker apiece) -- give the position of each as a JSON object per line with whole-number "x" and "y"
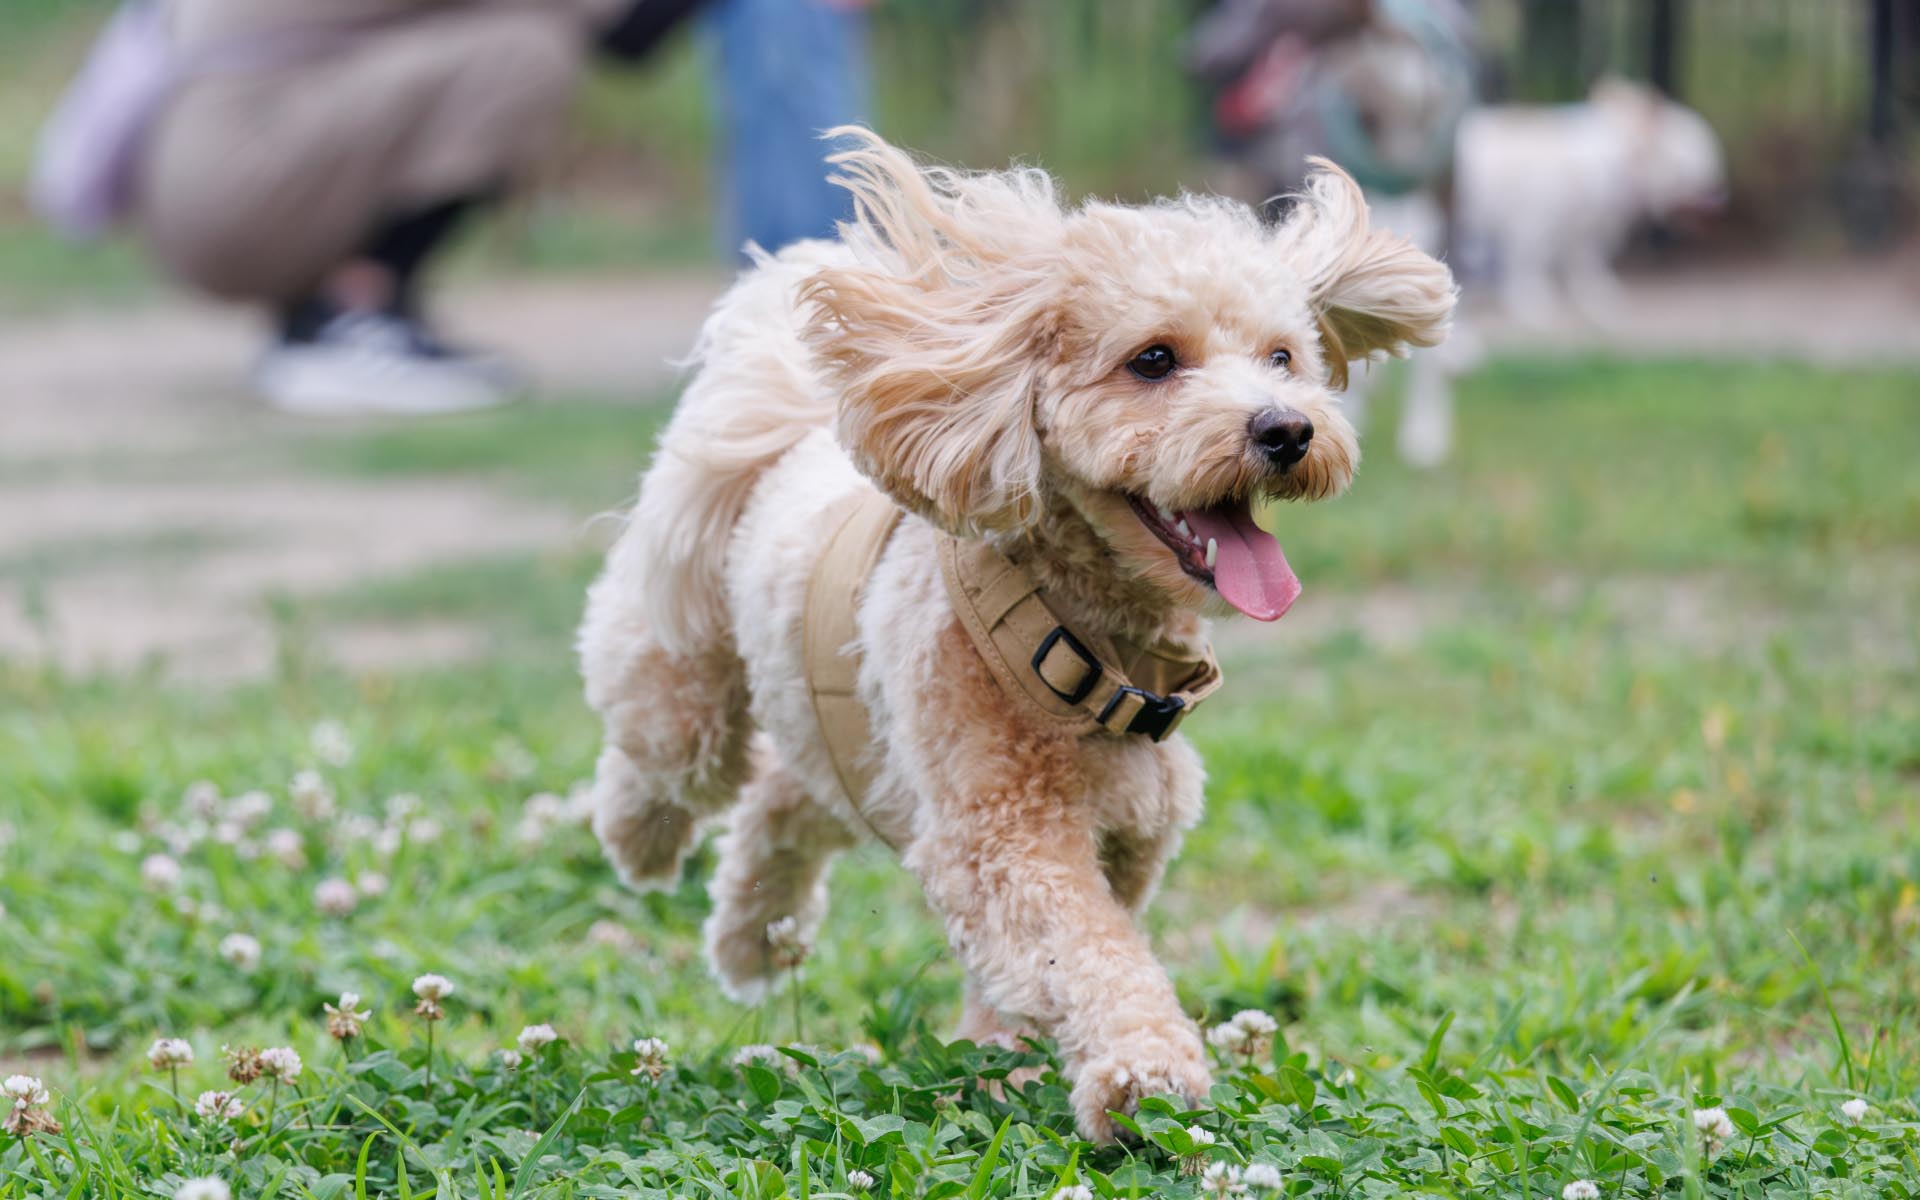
{"x": 543, "y": 811}
{"x": 371, "y": 884}
{"x": 229, "y": 833}
{"x": 1256, "y": 1022}
{"x": 651, "y": 1056}
{"x": 787, "y": 947}
{"x": 747, "y": 1056}
{"x": 202, "y": 799}
{"x": 1854, "y": 1110}
{"x": 26, "y": 1091}
{"x": 243, "y": 1064}
{"x": 1078, "y": 1191}
{"x": 335, "y": 897}
{"x": 1201, "y": 1138}
{"x": 1264, "y": 1176}
{"x": 331, "y": 743}
{"x": 431, "y": 989}
{"x": 180, "y": 839}
{"x": 1249, "y": 1032}
{"x": 535, "y": 1038}
{"x": 218, "y": 1106}
{"x": 249, "y": 808}
{"x": 343, "y": 1023}
{"x": 529, "y": 832}
{"x": 605, "y": 932}
{"x": 26, "y": 1117}
{"x": 1581, "y": 1189}
{"x": 287, "y": 847}
{"x": 281, "y": 1063}
{"x": 422, "y": 831}
{"x": 206, "y": 1187}
{"x": 355, "y": 827}
{"x": 241, "y": 949}
{"x": 401, "y": 805}
{"x": 511, "y": 760}
{"x": 160, "y": 871}
{"x": 1221, "y": 1179}
{"x": 386, "y": 842}
{"x": 511, "y": 1059}
{"x": 859, "y": 1180}
{"x": 580, "y": 805}
{"x": 311, "y": 796}
{"x": 167, "y": 1053}
{"x": 1714, "y": 1125}
{"x": 8, "y": 833}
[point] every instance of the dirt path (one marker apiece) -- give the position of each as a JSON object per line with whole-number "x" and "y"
{"x": 145, "y": 515}
{"x": 131, "y": 457}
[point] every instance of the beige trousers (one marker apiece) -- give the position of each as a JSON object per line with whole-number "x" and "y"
{"x": 255, "y": 185}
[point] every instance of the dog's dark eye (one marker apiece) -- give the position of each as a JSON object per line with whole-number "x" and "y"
{"x": 1282, "y": 358}
{"x": 1155, "y": 362}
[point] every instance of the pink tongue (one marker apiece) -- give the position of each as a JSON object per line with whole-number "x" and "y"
{"x": 1250, "y": 571}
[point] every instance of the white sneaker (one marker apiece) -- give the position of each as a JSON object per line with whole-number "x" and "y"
{"x": 370, "y": 362}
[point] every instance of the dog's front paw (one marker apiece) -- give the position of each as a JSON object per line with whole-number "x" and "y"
{"x": 1146, "y": 1064}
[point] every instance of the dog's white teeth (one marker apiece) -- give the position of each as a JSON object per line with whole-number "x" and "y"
{"x": 1213, "y": 553}
{"x": 1166, "y": 514}
{"x": 1186, "y": 531}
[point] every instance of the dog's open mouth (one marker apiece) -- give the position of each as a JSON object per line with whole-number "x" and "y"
{"x": 1222, "y": 548}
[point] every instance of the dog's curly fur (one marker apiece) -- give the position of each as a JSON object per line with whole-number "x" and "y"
{"x": 964, "y": 348}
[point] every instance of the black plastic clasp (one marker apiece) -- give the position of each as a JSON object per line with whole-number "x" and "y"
{"x": 1157, "y": 716}
{"x": 1061, "y": 634}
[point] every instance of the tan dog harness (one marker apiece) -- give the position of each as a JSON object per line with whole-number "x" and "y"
{"x": 1079, "y": 685}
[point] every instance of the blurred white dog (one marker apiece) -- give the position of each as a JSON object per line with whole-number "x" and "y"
{"x": 1549, "y": 194}
{"x": 1424, "y": 436}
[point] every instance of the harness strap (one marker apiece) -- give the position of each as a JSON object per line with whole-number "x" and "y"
{"x": 1113, "y": 685}
{"x": 861, "y": 524}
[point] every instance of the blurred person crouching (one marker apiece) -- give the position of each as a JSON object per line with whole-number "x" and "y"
{"x": 312, "y": 158}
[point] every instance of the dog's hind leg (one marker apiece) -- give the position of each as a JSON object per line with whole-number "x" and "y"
{"x": 773, "y": 865}
{"x": 676, "y": 741}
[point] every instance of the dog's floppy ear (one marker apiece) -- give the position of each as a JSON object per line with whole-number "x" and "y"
{"x": 1374, "y": 292}
{"x": 935, "y": 333}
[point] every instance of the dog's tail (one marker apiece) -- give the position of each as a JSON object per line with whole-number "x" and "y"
{"x": 753, "y": 397}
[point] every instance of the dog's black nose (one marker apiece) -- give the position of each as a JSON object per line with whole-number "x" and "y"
{"x": 1282, "y": 434}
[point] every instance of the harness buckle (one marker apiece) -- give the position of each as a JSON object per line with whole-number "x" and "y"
{"x": 1061, "y": 636}
{"x": 1158, "y": 717}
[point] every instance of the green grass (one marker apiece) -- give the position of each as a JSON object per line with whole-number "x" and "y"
{"x": 589, "y": 454}
{"x": 1517, "y": 826}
